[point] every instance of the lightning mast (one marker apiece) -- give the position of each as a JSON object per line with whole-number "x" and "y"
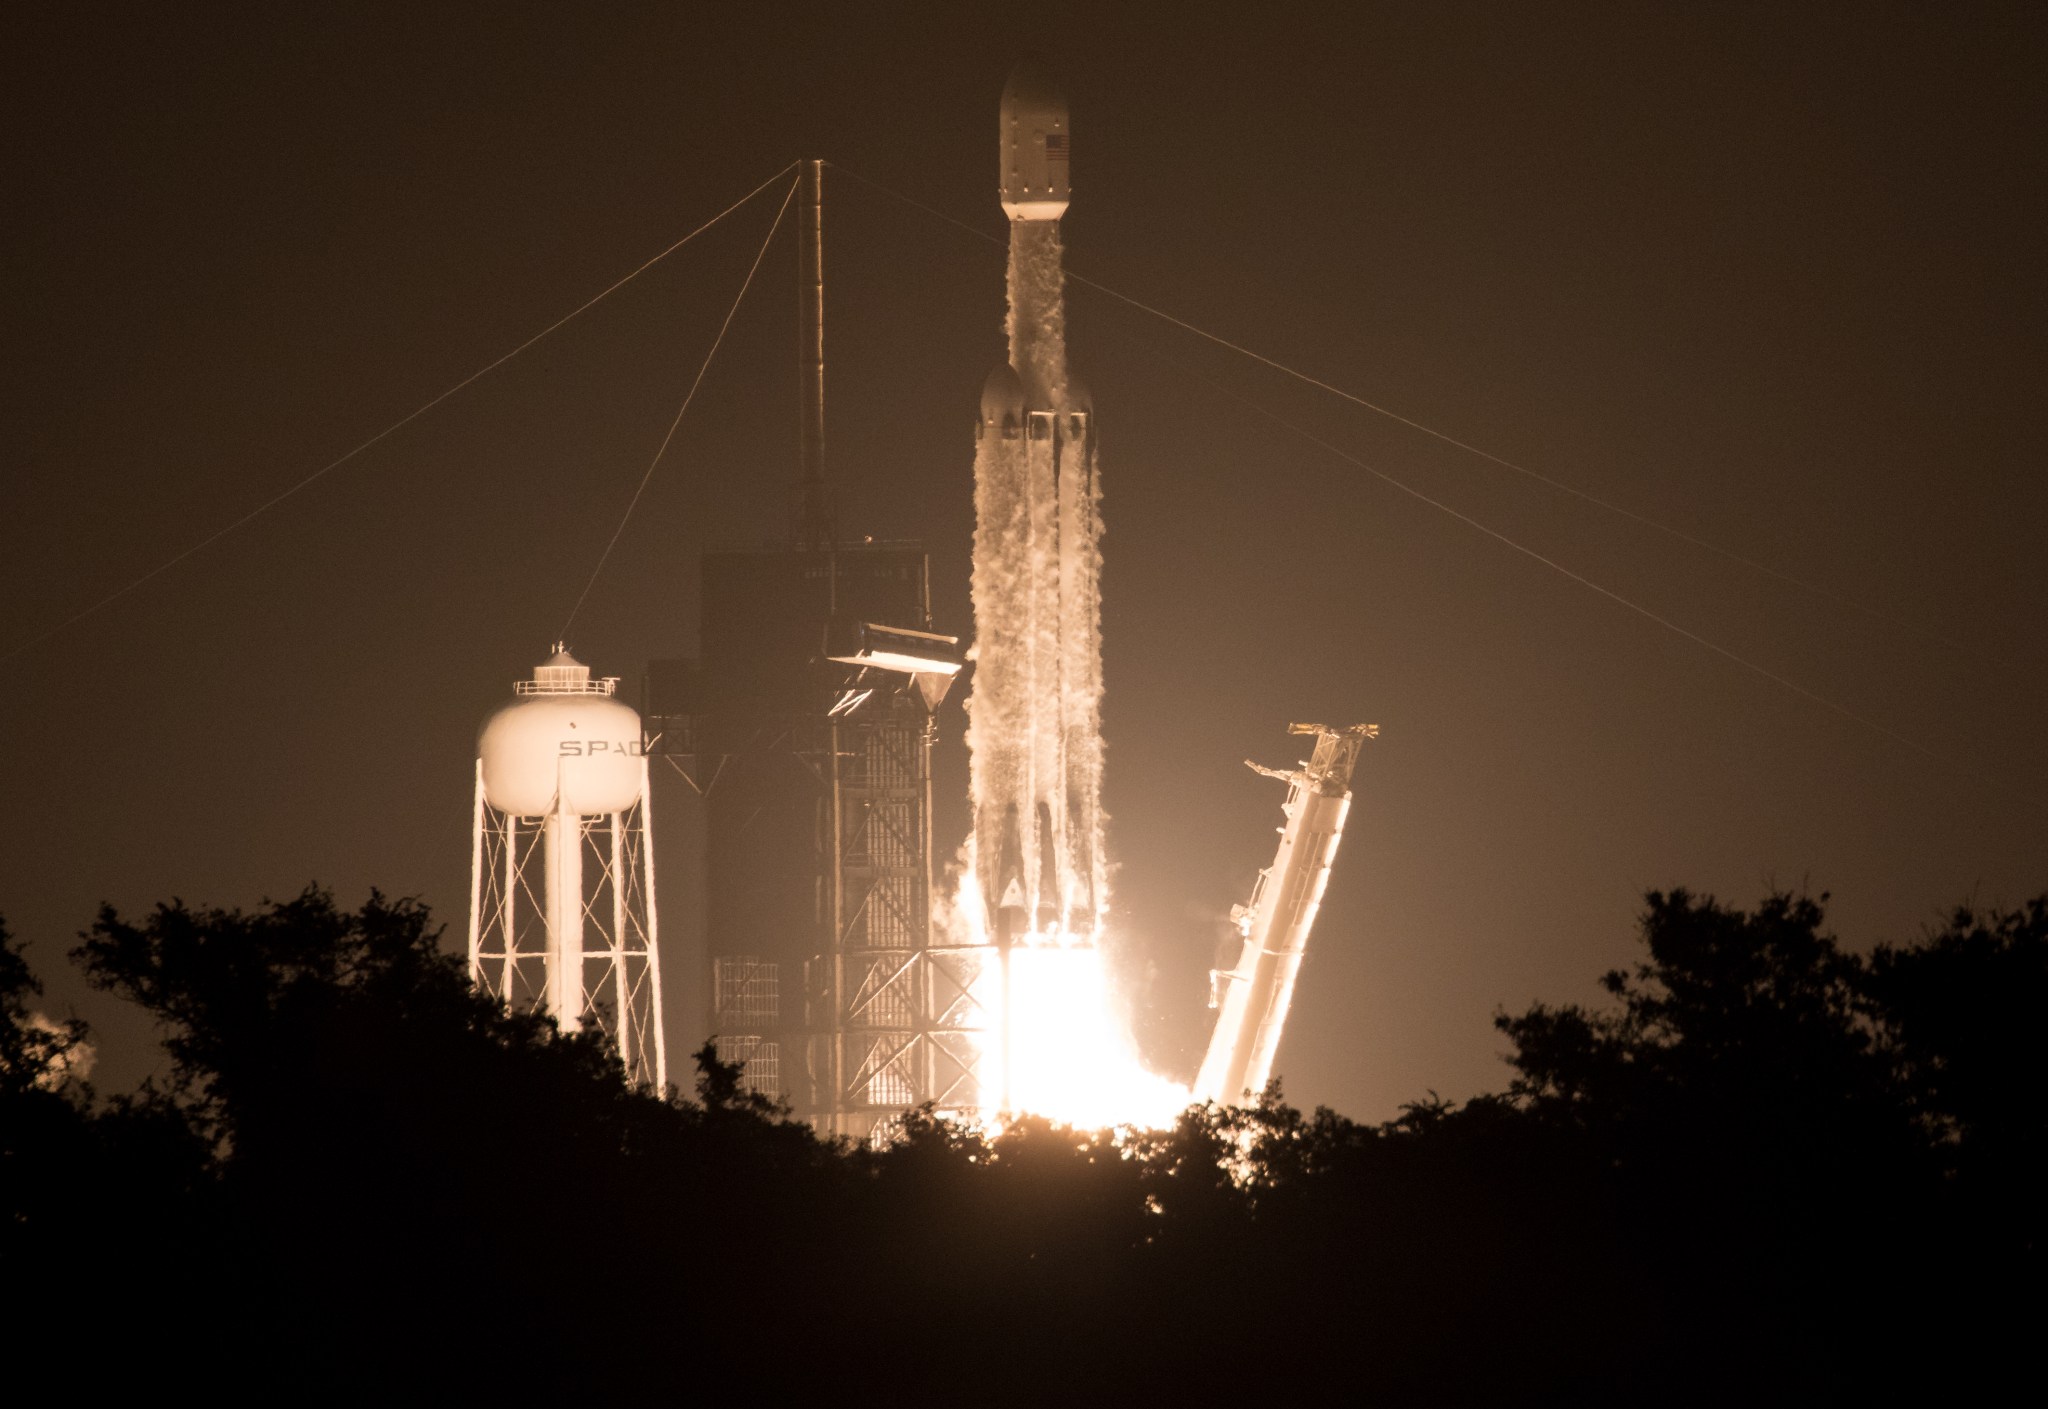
{"x": 814, "y": 522}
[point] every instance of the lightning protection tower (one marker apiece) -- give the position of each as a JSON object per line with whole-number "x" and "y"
{"x": 562, "y": 862}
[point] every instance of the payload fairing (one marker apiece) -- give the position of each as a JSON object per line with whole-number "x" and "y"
{"x": 1034, "y": 717}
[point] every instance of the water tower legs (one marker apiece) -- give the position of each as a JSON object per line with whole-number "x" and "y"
{"x": 564, "y": 843}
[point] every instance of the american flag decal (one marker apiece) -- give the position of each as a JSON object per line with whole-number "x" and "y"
{"x": 1056, "y": 144}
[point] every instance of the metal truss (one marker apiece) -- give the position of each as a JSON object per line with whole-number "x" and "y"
{"x": 892, "y": 1019}
{"x": 513, "y": 953}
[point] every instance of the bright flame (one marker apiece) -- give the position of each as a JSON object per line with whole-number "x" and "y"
{"x": 1070, "y": 1053}
{"x": 1070, "y": 1057}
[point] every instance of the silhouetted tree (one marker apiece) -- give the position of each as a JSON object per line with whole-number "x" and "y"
{"x": 36, "y": 1053}
{"x": 1962, "y": 1011}
{"x": 91, "y": 1193}
{"x": 43, "y": 1131}
{"x": 1762, "y": 1143}
{"x": 1769, "y": 1170}
{"x": 1961, "y": 1014}
{"x": 448, "y": 1188}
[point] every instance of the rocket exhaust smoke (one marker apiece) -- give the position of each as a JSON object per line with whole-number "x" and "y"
{"x": 1034, "y": 730}
{"x": 1036, "y": 883}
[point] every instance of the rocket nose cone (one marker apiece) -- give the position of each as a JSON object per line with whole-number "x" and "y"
{"x": 1031, "y": 86}
{"x": 1078, "y": 398}
{"x": 1002, "y": 396}
{"x": 1036, "y": 144}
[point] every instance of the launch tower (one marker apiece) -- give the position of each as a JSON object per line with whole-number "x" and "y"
{"x": 806, "y": 726}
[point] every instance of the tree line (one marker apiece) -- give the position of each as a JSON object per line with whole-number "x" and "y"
{"x": 1765, "y": 1169}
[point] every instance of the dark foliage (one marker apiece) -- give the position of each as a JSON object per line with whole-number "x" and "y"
{"x": 1770, "y": 1171}
{"x": 1781, "y": 1201}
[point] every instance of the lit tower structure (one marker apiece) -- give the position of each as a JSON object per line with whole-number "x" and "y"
{"x": 1252, "y": 999}
{"x": 805, "y": 727}
{"x": 561, "y": 908}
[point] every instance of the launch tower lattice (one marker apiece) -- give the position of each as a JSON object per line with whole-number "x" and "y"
{"x": 806, "y": 730}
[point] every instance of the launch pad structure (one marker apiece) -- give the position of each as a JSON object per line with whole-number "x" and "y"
{"x": 804, "y": 729}
{"x": 1253, "y": 997}
{"x": 810, "y": 745}
{"x": 805, "y": 726}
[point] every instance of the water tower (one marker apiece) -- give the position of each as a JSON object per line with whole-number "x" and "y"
{"x": 562, "y": 862}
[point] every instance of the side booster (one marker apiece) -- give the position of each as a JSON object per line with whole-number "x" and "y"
{"x": 1035, "y": 727}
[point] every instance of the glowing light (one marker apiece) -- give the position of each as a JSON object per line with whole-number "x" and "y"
{"x": 1069, "y": 1051}
{"x": 1069, "y": 1056}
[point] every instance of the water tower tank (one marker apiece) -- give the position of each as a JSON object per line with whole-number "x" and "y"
{"x": 564, "y": 735}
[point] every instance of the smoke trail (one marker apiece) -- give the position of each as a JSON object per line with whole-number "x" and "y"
{"x": 1035, "y": 713}
{"x": 1038, "y": 311}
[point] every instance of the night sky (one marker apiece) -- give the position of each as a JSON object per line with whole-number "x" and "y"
{"x": 1771, "y": 278}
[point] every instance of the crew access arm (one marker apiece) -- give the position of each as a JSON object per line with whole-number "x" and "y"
{"x": 1252, "y": 999}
